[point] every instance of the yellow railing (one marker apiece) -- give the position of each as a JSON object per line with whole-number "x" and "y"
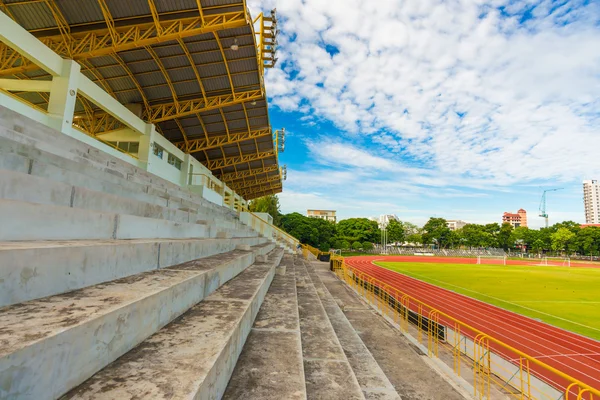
{"x": 488, "y": 361}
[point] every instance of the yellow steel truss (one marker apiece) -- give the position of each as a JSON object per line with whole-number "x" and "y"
{"x": 167, "y": 111}
{"x": 257, "y": 194}
{"x": 114, "y": 38}
{"x": 248, "y": 184}
{"x": 229, "y": 161}
{"x": 232, "y": 176}
{"x": 196, "y": 145}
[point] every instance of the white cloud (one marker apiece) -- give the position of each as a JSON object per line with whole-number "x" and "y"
{"x": 455, "y": 85}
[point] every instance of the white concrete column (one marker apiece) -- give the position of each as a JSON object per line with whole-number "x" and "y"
{"x": 186, "y": 168}
{"x": 146, "y": 143}
{"x": 63, "y": 93}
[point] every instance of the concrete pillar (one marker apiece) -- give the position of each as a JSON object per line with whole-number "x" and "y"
{"x": 63, "y": 93}
{"x": 186, "y": 169}
{"x": 146, "y": 145}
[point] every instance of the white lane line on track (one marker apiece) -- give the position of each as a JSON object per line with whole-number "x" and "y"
{"x": 557, "y": 301}
{"x": 561, "y": 355}
{"x": 502, "y": 300}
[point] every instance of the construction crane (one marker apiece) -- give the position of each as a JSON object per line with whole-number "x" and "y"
{"x": 543, "y": 212}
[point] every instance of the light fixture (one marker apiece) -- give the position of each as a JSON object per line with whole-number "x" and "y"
{"x": 234, "y": 46}
{"x": 253, "y": 102}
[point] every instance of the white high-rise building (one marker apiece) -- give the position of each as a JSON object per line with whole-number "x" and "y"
{"x": 384, "y": 219}
{"x": 591, "y": 201}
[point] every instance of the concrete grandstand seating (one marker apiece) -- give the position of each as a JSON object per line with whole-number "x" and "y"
{"x": 97, "y": 255}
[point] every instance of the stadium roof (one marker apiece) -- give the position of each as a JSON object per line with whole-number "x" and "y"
{"x": 194, "y": 68}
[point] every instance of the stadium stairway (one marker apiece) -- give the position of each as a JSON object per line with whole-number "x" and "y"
{"x": 302, "y": 346}
{"x": 98, "y": 258}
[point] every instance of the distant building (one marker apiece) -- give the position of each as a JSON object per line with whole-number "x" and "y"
{"x": 516, "y": 220}
{"x": 455, "y": 224}
{"x": 384, "y": 219}
{"x": 591, "y": 201}
{"x": 328, "y": 215}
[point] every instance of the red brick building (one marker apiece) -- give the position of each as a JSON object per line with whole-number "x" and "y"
{"x": 516, "y": 220}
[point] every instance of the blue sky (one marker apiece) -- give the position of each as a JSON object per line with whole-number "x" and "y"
{"x": 461, "y": 109}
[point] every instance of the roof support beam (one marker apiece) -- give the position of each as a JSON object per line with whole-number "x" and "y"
{"x": 112, "y": 39}
{"x": 247, "y": 185}
{"x": 257, "y": 194}
{"x": 232, "y": 176}
{"x": 196, "y": 145}
{"x": 168, "y": 111}
{"x": 229, "y": 161}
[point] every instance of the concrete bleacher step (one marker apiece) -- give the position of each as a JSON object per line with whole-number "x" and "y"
{"x": 24, "y": 158}
{"x": 371, "y": 378}
{"x": 23, "y": 187}
{"x": 270, "y": 365}
{"x": 194, "y": 356}
{"x": 47, "y": 222}
{"x": 50, "y": 166}
{"x": 53, "y": 344}
{"x": 327, "y": 372}
{"x": 35, "y": 269}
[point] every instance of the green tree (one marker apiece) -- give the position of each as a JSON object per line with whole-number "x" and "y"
{"x": 356, "y": 245}
{"x": 588, "y": 240}
{"x": 561, "y": 239}
{"x": 324, "y": 247}
{"x": 436, "y": 232}
{"x": 415, "y": 238}
{"x": 345, "y": 245}
{"x": 367, "y": 246}
{"x": 362, "y": 229}
{"x": 395, "y": 230}
{"x": 313, "y": 231}
{"x": 267, "y": 204}
{"x": 504, "y": 237}
{"x": 337, "y": 244}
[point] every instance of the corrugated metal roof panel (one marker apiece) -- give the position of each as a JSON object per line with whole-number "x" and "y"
{"x": 215, "y": 84}
{"x": 123, "y": 9}
{"x": 112, "y": 72}
{"x": 79, "y": 12}
{"x": 158, "y": 93}
{"x": 208, "y": 71}
{"x": 135, "y": 55}
{"x": 187, "y": 88}
{"x": 174, "y": 5}
{"x": 151, "y": 79}
{"x": 33, "y": 15}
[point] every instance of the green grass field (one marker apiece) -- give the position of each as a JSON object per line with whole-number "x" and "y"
{"x": 565, "y": 297}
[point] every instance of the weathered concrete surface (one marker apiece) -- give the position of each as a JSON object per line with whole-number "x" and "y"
{"x": 50, "y": 345}
{"x": 327, "y": 373}
{"x": 31, "y": 270}
{"x": 372, "y": 380}
{"x": 194, "y": 356}
{"x": 403, "y": 364}
{"x": 270, "y": 365}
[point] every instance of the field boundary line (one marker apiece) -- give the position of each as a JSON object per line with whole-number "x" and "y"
{"x": 499, "y": 299}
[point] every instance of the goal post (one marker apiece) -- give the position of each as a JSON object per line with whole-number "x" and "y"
{"x": 498, "y": 260}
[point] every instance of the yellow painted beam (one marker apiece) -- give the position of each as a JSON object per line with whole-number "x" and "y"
{"x": 248, "y": 184}
{"x": 105, "y": 41}
{"x": 229, "y": 161}
{"x": 196, "y": 145}
{"x": 232, "y": 176}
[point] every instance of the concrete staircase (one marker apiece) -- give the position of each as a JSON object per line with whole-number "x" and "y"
{"x": 302, "y": 346}
{"x": 101, "y": 261}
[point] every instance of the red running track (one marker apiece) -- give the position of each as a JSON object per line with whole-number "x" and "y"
{"x": 573, "y": 354}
